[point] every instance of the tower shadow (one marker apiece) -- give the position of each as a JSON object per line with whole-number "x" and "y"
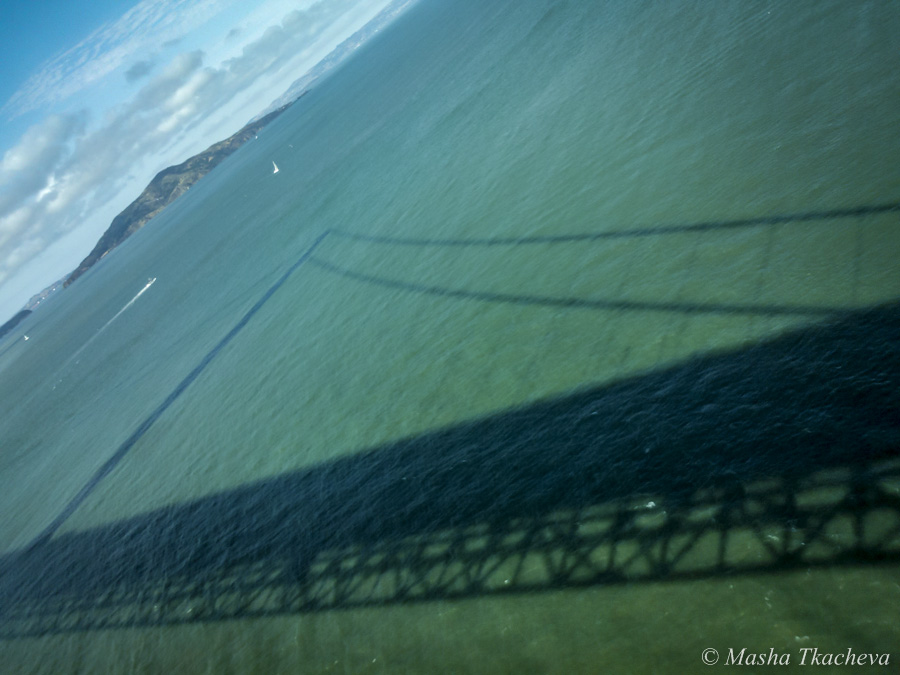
{"x": 774, "y": 457}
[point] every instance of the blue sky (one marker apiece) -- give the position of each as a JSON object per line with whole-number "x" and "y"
{"x": 32, "y": 32}
{"x": 97, "y": 96}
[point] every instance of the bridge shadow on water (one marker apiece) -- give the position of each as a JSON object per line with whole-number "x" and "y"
{"x": 782, "y": 455}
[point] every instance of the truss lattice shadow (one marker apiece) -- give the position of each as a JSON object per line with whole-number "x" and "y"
{"x": 779, "y": 456}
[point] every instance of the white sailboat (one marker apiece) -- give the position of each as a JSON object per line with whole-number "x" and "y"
{"x": 275, "y": 167}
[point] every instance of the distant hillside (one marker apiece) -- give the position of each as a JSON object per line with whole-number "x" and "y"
{"x": 38, "y": 298}
{"x": 170, "y": 183}
{"x": 13, "y": 322}
{"x": 167, "y": 186}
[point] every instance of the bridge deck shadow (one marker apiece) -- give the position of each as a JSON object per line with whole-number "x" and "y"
{"x": 779, "y": 456}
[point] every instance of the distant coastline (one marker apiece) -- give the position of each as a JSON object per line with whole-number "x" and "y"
{"x": 166, "y": 187}
{"x": 170, "y": 183}
{"x": 13, "y": 322}
{"x": 174, "y": 181}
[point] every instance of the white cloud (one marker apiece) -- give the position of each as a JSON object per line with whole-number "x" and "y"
{"x": 139, "y": 69}
{"x": 167, "y": 82}
{"x": 14, "y": 223}
{"x": 111, "y": 47}
{"x": 27, "y": 168}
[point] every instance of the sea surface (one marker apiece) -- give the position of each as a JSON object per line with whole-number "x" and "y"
{"x": 566, "y": 339}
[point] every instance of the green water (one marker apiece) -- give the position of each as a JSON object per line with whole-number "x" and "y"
{"x": 448, "y": 166}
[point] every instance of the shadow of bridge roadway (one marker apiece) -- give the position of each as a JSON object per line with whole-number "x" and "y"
{"x": 779, "y": 456}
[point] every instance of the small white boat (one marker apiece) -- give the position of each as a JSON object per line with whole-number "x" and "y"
{"x": 275, "y": 167}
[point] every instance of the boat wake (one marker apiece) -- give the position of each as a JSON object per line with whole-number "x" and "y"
{"x": 127, "y": 305}
{"x": 105, "y": 326}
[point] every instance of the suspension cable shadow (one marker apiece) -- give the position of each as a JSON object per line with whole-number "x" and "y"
{"x": 107, "y": 467}
{"x": 630, "y": 233}
{"x": 691, "y": 308}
